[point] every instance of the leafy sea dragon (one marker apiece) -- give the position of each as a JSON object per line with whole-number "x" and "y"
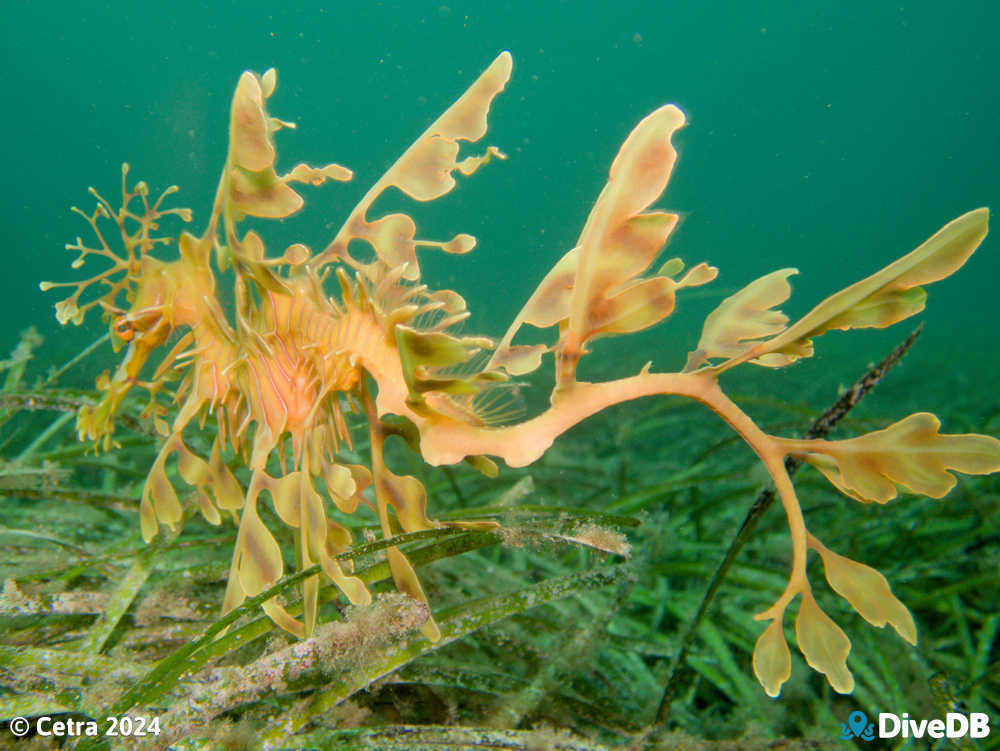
{"x": 290, "y": 358}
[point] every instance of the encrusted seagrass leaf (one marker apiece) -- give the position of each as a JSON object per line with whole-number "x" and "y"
{"x": 824, "y": 645}
{"x": 888, "y": 296}
{"x": 910, "y": 454}
{"x": 868, "y": 592}
{"x": 772, "y": 662}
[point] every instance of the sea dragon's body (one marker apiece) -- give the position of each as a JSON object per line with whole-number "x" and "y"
{"x": 286, "y": 363}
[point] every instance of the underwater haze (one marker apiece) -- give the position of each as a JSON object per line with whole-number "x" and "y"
{"x": 232, "y": 546}
{"x": 831, "y": 137}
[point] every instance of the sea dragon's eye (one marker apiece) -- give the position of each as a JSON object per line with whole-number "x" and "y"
{"x": 124, "y": 329}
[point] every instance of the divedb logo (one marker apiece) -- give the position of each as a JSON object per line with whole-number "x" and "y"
{"x": 954, "y": 725}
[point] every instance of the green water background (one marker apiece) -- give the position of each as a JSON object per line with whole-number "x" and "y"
{"x": 832, "y": 137}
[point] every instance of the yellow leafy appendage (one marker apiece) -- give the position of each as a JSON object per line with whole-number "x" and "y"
{"x": 280, "y": 369}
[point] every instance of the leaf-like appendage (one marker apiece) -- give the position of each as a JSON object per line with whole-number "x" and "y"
{"x": 550, "y": 302}
{"x": 392, "y": 236}
{"x": 253, "y": 187}
{"x": 260, "y": 564}
{"x": 910, "y": 453}
{"x": 868, "y": 592}
{"x": 548, "y": 305}
{"x": 131, "y": 264}
{"x": 257, "y": 565}
{"x": 408, "y": 583}
{"x": 618, "y": 241}
{"x": 211, "y": 477}
{"x": 888, "y": 296}
{"x": 300, "y": 507}
{"x": 423, "y": 350}
{"x": 424, "y": 172}
{"x": 315, "y": 537}
{"x": 429, "y": 359}
{"x": 159, "y": 502}
{"x": 824, "y": 645}
{"x": 250, "y": 144}
{"x": 303, "y": 173}
{"x": 772, "y": 662}
{"x": 262, "y": 194}
{"x": 595, "y": 287}
{"x": 518, "y": 360}
{"x": 732, "y": 328}
{"x": 633, "y": 307}
{"x": 408, "y": 499}
{"x": 341, "y": 486}
{"x": 639, "y": 305}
